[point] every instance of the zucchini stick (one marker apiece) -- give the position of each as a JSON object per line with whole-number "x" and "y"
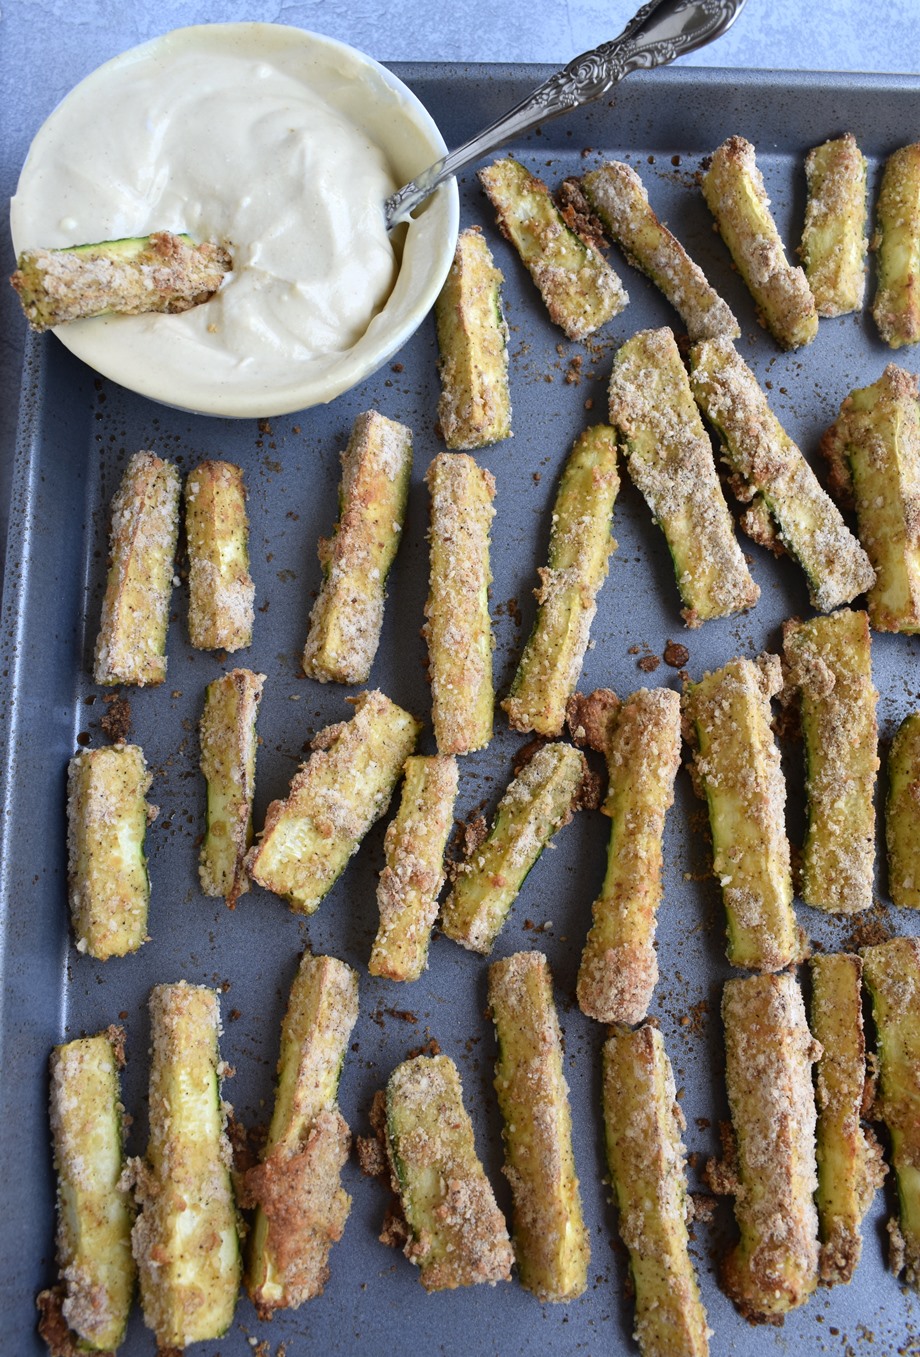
{"x": 302, "y": 1207}
{"x": 850, "y": 1165}
{"x": 161, "y": 272}
{"x": 107, "y": 819}
{"x": 579, "y": 546}
{"x": 347, "y": 616}
{"x": 902, "y": 814}
{"x": 580, "y": 289}
{"x": 618, "y": 196}
{"x": 228, "y": 764}
{"x": 829, "y": 663}
{"x": 457, "y": 1235}
{"x": 833, "y": 248}
{"x": 409, "y": 885}
{"x": 536, "y": 803}
{"x": 131, "y": 647}
{"x": 734, "y": 191}
{"x": 669, "y": 459}
{"x": 549, "y": 1236}
{"x": 769, "y": 469}
{"x": 892, "y": 974}
{"x": 185, "y": 1239}
{"x": 220, "y": 588}
{"x": 769, "y": 1052}
{"x": 458, "y": 629}
{"x": 737, "y": 769}
{"x": 475, "y": 405}
{"x": 336, "y": 796}
{"x": 646, "y": 1159}
{"x": 896, "y": 308}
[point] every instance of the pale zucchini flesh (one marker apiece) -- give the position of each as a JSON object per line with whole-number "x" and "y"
{"x": 834, "y": 245}
{"x": 896, "y": 241}
{"x": 228, "y": 764}
{"x": 902, "y": 814}
{"x": 220, "y": 588}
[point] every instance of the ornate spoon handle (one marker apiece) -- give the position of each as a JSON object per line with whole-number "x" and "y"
{"x": 661, "y": 31}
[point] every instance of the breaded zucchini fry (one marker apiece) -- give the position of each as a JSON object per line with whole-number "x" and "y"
{"x": 892, "y": 973}
{"x": 228, "y": 764}
{"x": 833, "y": 248}
{"x": 536, "y": 803}
{"x": 896, "y": 241}
{"x": 734, "y": 191}
{"x": 769, "y": 469}
{"x": 347, "y": 616}
{"x": 645, "y": 1156}
{"x": 185, "y": 1239}
{"x": 302, "y": 1207}
{"x": 619, "y": 967}
{"x": 873, "y": 450}
{"x": 580, "y": 289}
{"x": 579, "y": 546}
{"x": 829, "y": 663}
{"x": 457, "y": 1235}
{"x": 902, "y": 814}
{"x": 769, "y": 1052}
{"x": 737, "y": 769}
{"x": 549, "y": 1235}
{"x": 669, "y": 459}
{"x": 220, "y": 588}
{"x": 161, "y": 272}
{"x": 107, "y": 879}
{"x": 95, "y": 1211}
{"x": 475, "y": 405}
{"x": 457, "y": 628}
{"x": 336, "y": 796}
{"x": 850, "y": 1165}
{"x": 131, "y": 647}
{"x": 618, "y": 196}
{"x": 409, "y": 885}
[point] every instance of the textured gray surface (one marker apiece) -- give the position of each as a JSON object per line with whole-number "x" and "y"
{"x": 77, "y": 434}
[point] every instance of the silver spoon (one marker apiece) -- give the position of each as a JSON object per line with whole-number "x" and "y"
{"x": 661, "y": 31}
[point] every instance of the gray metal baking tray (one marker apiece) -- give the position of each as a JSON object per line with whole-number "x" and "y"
{"x": 76, "y": 433}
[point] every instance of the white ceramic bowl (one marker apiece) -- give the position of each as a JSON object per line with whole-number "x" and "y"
{"x": 156, "y": 355}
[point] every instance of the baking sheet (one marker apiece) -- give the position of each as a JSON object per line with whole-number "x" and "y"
{"x": 76, "y": 434}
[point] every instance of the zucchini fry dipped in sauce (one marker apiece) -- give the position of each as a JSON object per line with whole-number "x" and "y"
{"x": 107, "y": 818}
{"x": 902, "y": 814}
{"x": 131, "y": 647}
{"x": 618, "y": 196}
{"x": 829, "y": 664}
{"x": 669, "y": 459}
{"x": 579, "y": 546}
{"x": 768, "y": 469}
{"x": 94, "y": 1208}
{"x": 896, "y": 241}
{"x": 619, "y": 967}
{"x": 850, "y": 1165}
{"x": 580, "y": 289}
{"x": 549, "y": 1234}
{"x": 409, "y": 885}
{"x": 892, "y": 975}
{"x": 228, "y": 764}
{"x": 457, "y": 1235}
{"x": 220, "y": 588}
{"x": 736, "y": 767}
{"x": 536, "y": 803}
{"x": 769, "y": 1053}
{"x": 161, "y": 272}
{"x": 475, "y": 405}
{"x": 185, "y": 1239}
{"x": 646, "y": 1159}
{"x": 833, "y": 248}
{"x": 336, "y": 796}
{"x": 734, "y": 191}
{"x": 873, "y": 450}
{"x": 347, "y": 616}
{"x": 302, "y": 1207}
{"x": 457, "y": 628}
